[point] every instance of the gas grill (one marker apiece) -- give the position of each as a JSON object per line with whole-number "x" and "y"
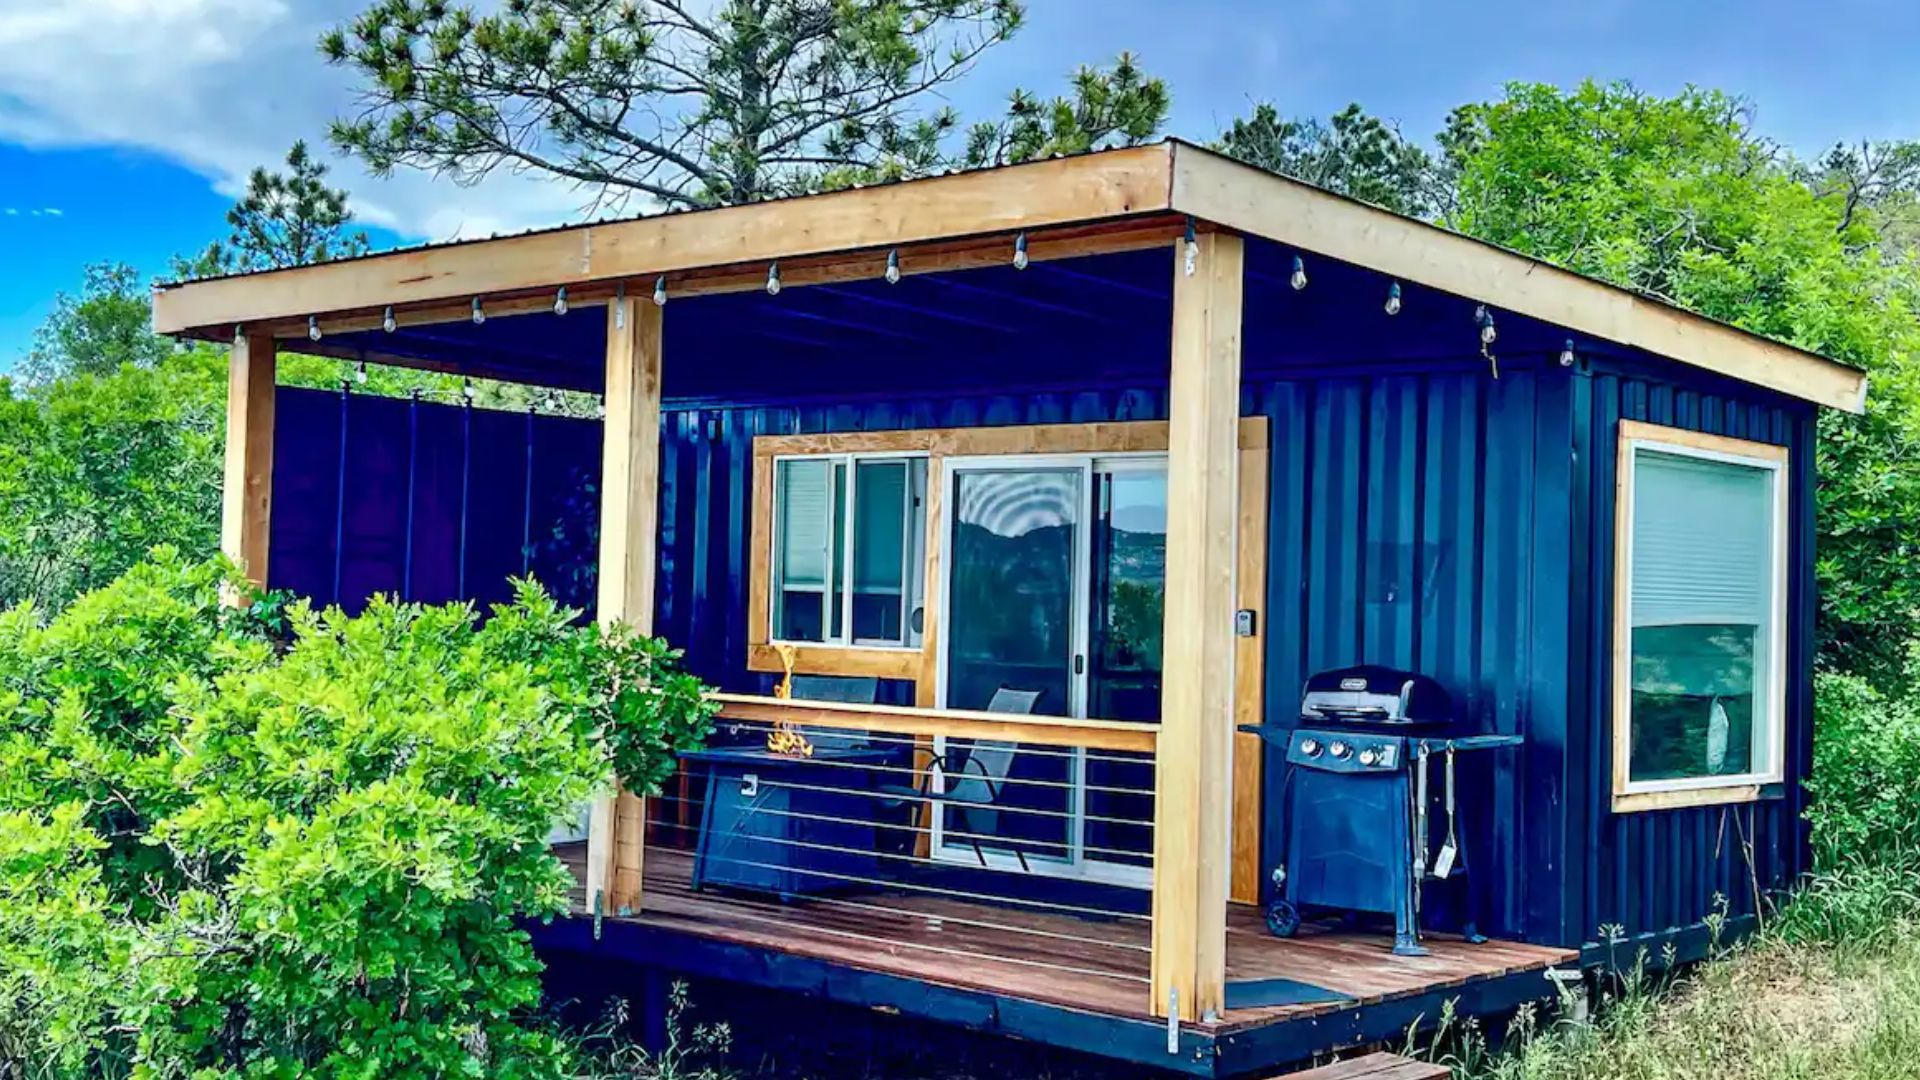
{"x": 1371, "y": 801}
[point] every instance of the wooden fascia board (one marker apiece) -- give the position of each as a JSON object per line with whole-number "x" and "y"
{"x": 1088, "y": 188}
{"x": 1237, "y": 196}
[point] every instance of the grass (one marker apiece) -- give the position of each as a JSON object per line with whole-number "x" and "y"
{"x": 1775, "y": 1009}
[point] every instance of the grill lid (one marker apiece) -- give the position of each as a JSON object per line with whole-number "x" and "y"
{"x": 1372, "y": 694}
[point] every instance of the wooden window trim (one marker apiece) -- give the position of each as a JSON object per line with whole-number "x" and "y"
{"x": 1629, "y": 797}
{"x": 920, "y": 665}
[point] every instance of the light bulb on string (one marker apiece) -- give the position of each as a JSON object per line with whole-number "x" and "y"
{"x": 773, "y": 279}
{"x": 1298, "y": 279}
{"x": 360, "y": 373}
{"x": 1192, "y": 249}
{"x": 387, "y": 321}
{"x": 466, "y": 390}
{"x": 893, "y": 267}
{"x": 1393, "y": 299}
{"x": 1020, "y": 252}
{"x": 560, "y": 301}
{"x": 479, "y": 313}
{"x": 660, "y": 291}
{"x": 1487, "y": 332}
{"x": 313, "y": 328}
{"x": 1566, "y": 354}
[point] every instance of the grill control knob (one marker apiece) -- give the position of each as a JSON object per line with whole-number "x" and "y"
{"x": 1367, "y": 757}
{"x": 1310, "y": 747}
{"x": 1339, "y": 749}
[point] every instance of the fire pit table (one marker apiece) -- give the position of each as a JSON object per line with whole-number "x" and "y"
{"x": 787, "y": 824}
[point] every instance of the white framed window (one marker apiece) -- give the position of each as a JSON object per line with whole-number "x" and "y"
{"x": 1699, "y": 618}
{"x": 849, "y": 543}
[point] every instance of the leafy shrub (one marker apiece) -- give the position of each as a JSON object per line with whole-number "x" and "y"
{"x": 229, "y": 851}
{"x": 1866, "y": 754}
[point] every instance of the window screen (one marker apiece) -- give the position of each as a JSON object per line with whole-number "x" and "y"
{"x": 1703, "y": 575}
{"x": 849, "y": 548}
{"x": 802, "y": 500}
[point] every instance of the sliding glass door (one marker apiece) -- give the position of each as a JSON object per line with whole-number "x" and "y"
{"x": 1055, "y": 583}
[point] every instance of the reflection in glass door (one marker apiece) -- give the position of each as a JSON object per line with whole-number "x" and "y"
{"x": 1055, "y": 591}
{"x": 1013, "y": 639}
{"x": 1129, "y": 599}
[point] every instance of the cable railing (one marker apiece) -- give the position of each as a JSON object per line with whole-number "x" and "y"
{"x": 986, "y": 847}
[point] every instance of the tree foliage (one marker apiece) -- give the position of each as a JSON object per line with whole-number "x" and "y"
{"x": 683, "y": 104}
{"x": 1119, "y": 105}
{"x": 1353, "y": 153}
{"x": 97, "y": 468}
{"x": 110, "y": 323}
{"x": 225, "y": 851}
{"x": 285, "y": 219}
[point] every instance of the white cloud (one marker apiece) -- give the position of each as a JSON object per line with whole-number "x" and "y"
{"x": 221, "y": 86}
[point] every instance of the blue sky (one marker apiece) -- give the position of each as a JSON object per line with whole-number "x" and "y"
{"x": 127, "y": 126}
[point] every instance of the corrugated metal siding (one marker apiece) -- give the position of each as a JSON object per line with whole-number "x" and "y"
{"x": 1407, "y": 529}
{"x": 1443, "y": 521}
{"x": 1657, "y": 871}
{"x": 428, "y": 502}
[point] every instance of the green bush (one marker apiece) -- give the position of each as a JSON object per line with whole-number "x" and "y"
{"x": 1866, "y": 756}
{"x": 226, "y": 850}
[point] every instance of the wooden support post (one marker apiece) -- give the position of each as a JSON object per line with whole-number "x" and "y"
{"x": 246, "y": 496}
{"x": 1193, "y": 761}
{"x": 629, "y": 509}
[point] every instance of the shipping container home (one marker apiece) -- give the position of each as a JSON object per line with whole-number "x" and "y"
{"x": 1158, "y": 608}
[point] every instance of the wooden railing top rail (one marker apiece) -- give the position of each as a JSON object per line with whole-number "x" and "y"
{"x": 953, "y": 723}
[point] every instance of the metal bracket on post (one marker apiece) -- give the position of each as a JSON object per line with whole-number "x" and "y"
{"x": 599, "y": 904}
{"x": 1173, "y": 1019}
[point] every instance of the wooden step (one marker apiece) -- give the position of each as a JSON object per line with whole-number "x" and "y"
{"x": 1374, "y": 1067}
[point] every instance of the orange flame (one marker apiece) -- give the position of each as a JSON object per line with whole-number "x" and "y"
{"x": 785, "y": 738}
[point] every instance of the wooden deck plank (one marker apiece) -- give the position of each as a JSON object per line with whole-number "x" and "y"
{"x": 1060, "y": 959}
{"x": 1377, "y": 1066}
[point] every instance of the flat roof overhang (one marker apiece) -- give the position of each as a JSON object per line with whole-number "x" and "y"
{"x": 1113, "y": 200}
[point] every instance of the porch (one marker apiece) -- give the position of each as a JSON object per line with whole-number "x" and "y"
{"x": 1074, "y": 981}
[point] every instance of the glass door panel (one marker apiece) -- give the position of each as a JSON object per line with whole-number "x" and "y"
{"x": 1014, "y": 616}
{"x": 1129, "y": 589}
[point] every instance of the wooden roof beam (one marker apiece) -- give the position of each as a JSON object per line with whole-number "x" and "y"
{"x": 1074, "y": 191}
{"x": 1218, "y": 189}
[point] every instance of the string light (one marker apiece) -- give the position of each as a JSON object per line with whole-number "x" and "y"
{"x": 1566, "y": 354}
{"x": 1020, "y": 252}
{"x": 660, "y": 291}
{"x": 600, "y": 407}
{"x": 893, "y": 267}
{"x": 479, "y": 313}
{"x": 313, "y": 328}
{"x": 387, "y": 321}
{"x": 560, "y": 301}
{"x": 1487, "y": 336}
{"x": 1393, "y": 299}
{"x": 360, "y": 373}
{"x": 1192, "y": 248}
{"x": 239, "y": 332}
{"x": 773, "y": 279}
{"x": 1299, "y": 277}
{"x": 466, "y": 390}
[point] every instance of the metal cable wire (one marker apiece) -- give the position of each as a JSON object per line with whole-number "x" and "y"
{"x": 917, "y": 829}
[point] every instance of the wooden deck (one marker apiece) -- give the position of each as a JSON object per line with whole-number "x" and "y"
{"x": 1064, "y": 960}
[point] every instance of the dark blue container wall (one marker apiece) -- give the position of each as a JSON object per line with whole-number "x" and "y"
{"x": 1404, "y": 531}
{"x": 1656, "y": 871}
{"x": 1415, "y": 522}
{"x": 428, "y": 502}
